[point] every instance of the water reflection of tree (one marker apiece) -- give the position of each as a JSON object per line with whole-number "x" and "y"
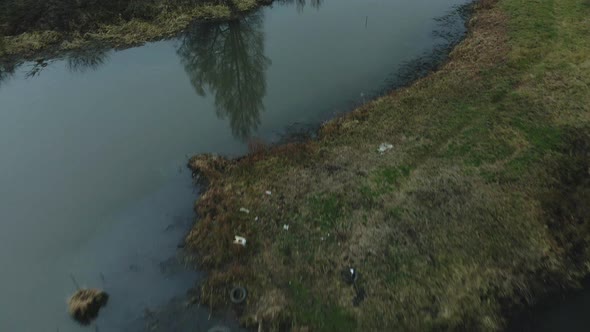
{"x": 300, "y": 4}
{"x": 6, "y": 71}
{"x": 228, "y": 60}
{"x": 80, "y": 61}
{"x": 86, "y": 60}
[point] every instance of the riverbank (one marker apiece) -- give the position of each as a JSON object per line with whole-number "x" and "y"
{"x": 121, "y": 33}
{"x": 477, "y": 209}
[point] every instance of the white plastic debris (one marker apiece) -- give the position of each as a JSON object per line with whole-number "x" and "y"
{"x": 384, "y": 147}
{"x": 286, "y": 227}
{"x": 240, "y": 240}
{"x": 219, "y": 328}
{"x": 256, "y": 219}
{"x": 244, "y": 210}
{"x": 268, "y": 192}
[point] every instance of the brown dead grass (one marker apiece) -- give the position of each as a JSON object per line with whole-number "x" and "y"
{"x": 85, "y": 304}
{"x": 49, "y": 43}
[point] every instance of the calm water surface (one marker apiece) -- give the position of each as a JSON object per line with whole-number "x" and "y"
{"x": 93, "y": 146}
{"x": 560, "y": 312}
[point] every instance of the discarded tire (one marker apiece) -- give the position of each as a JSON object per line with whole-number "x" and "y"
{"x": 238, "y": 295}
{"x": 350, "y": 276}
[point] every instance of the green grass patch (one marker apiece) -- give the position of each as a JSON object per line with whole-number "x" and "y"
{"x": 311, "y": 311}
{"x": 327, "y": 209}
{"x": 480, "y": 145}
{"x": 393, "y": 175}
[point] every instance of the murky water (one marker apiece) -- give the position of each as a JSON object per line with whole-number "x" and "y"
{"x": 93, "y": 147}
{"x": 559, "y": 312}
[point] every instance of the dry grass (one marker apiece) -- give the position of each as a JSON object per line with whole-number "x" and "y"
{"x": 34, "y": 44}
{"x": 85, "y": 304}
{"x": 480, "y": 207}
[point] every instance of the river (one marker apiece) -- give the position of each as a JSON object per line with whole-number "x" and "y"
{"x": 94, "y": 188}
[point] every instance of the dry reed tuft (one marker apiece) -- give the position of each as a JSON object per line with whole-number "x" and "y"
{"x": 85, "y": 304}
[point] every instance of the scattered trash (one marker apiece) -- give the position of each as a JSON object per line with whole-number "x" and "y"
{"x": 286, "y": 227}
{"x": 350, "y": 275}
{"x": 85, "y": 304}
{"x": 240, "y": 240}
{"x": 268, "y": 192}
{"x": 237, "y": 295}
{"x": 244, "y": 210}
{"x": 256, "y": 219}
{"x": 384, "y": 147}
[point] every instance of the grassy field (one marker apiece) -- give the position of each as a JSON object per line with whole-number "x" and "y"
{"x": 480, "y": 208}
{"x": 121, "y": 33}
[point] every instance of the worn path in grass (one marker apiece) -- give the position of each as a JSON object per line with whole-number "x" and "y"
{"x": 480, "y": 207}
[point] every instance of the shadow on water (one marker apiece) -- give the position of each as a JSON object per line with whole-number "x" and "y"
{"x": 228, "y": 60}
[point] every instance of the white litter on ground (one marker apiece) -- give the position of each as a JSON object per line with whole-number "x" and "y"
{"x": 286, "y": 227}
{"x": 240, "y": 240}
{"x": 384, "y": 147}
{"x": 244, "y": 210}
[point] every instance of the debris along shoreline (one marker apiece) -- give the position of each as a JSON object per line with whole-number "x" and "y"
{"x": 453, "y": 201}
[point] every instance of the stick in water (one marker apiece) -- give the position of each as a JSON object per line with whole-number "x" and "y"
{"x": 75, "y": 282}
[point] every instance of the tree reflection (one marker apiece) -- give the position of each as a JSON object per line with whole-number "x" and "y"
{"x": 85, "y": 60}
{"x": 228, "y": 60}
{"x": 300, "y": 4}
{"x": 79, "y": 61}
{"x": 6, "y": 70}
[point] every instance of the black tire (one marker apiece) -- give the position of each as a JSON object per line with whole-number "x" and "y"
{"x": 238, "y": 295}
